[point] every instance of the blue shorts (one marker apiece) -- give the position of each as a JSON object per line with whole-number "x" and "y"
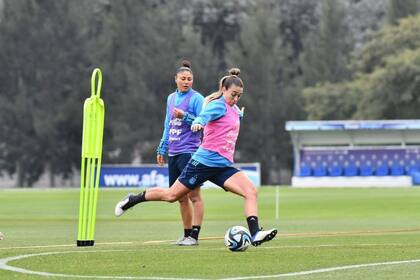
{"x": 175, "y": 166}
{"x": 195, "y": 174}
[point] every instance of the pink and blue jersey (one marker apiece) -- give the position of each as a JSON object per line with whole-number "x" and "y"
{"x": 177, "y": 136}
{"x": 221, "y": 128}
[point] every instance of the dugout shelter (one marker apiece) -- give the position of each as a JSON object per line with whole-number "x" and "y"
{"x": 377, "y": 153}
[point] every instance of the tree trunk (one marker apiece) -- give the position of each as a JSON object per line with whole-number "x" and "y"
{"x": 51, "y": 173}
{"x": 20, "y": 174}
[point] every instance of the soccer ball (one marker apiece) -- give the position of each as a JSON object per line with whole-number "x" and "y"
{"x": 237, "y": 238}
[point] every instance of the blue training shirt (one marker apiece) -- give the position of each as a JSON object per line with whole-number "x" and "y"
{"x": 213, "y": 111}
{"x": 195, "y": 105}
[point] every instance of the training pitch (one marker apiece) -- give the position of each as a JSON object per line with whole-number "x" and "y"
{"x": 323, "y": 234}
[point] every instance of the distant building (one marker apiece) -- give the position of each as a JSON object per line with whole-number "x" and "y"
{"x": 380, "y": 153}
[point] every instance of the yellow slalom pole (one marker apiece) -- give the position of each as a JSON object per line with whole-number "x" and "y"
{"x": 93, "y": 125}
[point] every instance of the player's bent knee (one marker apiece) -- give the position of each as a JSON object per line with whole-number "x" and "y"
{"x": 196, "y": 200}
{"x": 183, "y": 200}
{"x": 195, "y": 197}
{"x": 251, "y": 192}
{"x": 168, "y": 196}
{"x": 171, "y": 198}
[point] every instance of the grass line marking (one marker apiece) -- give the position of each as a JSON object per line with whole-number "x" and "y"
{"x": 311, "y": 246}
{"x": 222, "y": 248}
{"x": 305, "y": 234}
{"x": 63, "y": 245}
{"x": 323, "y": 270}
{"x": 5, "y": 266}
{"x": 309, "y": 234}
{"x": 170, "y": 241}
{"x": 349, "y": 233}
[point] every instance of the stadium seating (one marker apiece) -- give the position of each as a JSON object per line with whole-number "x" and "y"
{"x": 382, "y": 170}
{"x": 320, "y": 171}
{"x": 412, "y": 169}
{"x": 350, "y": 170}
{"x": 305, "y": 171}
{"x": 383, "y": 153}
{"x": 360, "y": 162}
{"x": 335, "y": 171}
{"x": 397, "y": 170}
{"x": 366, "y": 170}
{"x": 416, "y": 177}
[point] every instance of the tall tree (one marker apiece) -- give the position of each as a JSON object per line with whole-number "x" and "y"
{"x": 296, "y": 18}
{"x": 385, "y": 84}
{"x": 401, "y": 9}
{"x": 364, "y": 18}
{"x": 43, "y": 55}
{"x": 218, "y": 23}
{"x": 265, "y": 97}
{"x": 205, "y": 64}
{"x": 390, "y": 65}
{"x": 327, "y": 49}
{"x": 140, "y": 48}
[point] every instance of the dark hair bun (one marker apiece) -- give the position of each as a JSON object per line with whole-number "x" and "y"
{"x": 234, "y": 71}
{"x": 186, "y": 63}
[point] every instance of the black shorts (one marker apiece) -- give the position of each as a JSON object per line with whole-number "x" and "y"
{"x": 175, "y": 166}
{"x": 195, "y": 174}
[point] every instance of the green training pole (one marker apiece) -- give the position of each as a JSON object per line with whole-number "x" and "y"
{"x": 92, "y": 136}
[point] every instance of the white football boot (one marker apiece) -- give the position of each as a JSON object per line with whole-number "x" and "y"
{"x": 188, "y": 241}
{"x": 176, "y": 242}
{"x": 119, "y": 207}
{"x": 263, "y": 236}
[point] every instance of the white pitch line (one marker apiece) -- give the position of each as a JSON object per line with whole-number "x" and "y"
{"x": 171, "y": 240}
{"x": 310, "y": 234}
{"x": 63, "y": 245}
{"x": 186, "y": 249}
{"x": 305, "y": 246}
{"x": 331, "y": 246}
{"x": 5, "y": 266}
{"x": 151, "y": 242}
{"x": 323, "y": 270}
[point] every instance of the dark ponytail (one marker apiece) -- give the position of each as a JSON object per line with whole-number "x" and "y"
{"x": 226, "y": 82}
{"x": 185, "y": 66}
{"x": 232, "y": 79}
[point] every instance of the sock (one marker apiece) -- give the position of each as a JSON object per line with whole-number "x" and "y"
{"x": 195, "y": 232}
{"x": 187, "y": 232}
{"x": 253, "y": 224}
{"x": 135, "y": 199}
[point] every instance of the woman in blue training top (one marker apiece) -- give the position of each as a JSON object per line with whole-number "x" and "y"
{"x": 213, "y": 161}
{"x": 179, "y": 143}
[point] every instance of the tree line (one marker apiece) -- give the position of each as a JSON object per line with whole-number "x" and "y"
{"x": 304, "y": 59}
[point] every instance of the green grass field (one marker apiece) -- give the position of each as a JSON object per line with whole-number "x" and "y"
{"x": 323, "y": 234}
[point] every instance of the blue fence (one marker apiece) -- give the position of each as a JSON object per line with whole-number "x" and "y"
{"x": 120, "y": 176}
